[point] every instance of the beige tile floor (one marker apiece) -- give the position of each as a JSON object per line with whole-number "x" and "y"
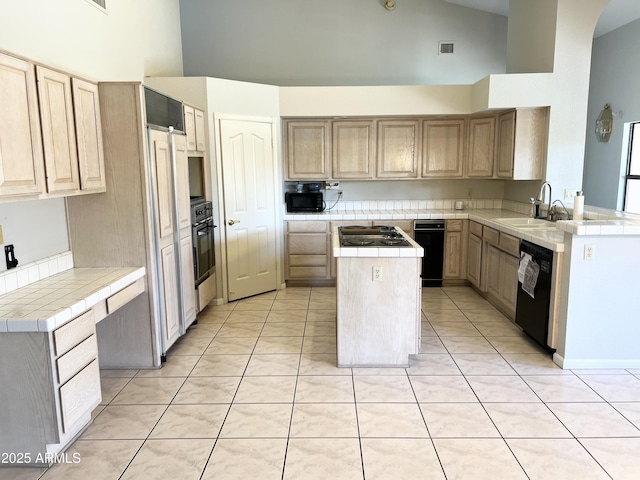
{"x": 252, "y": 392}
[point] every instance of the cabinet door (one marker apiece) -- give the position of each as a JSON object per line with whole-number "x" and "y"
{"x": 442, "y": 148}
{"x": 530, "y": 143}
{"x": 353, "y": 144}
{"x": 482, "y": 136}
{"x": 182, "y": 179}
{"x": 307, "y": 255}
{"x": 199, "y": 126}
{"x": 188, "y": 280}
{"x": 308, "y": 147}
{"x": 58, "y": 131}
{"x": 494, "y": 284}
{"x": 21, "y": 161}
{"x": 453, "y": 247}
{"x": 474, "y": 260}
{"x": 162, "y": 162}
{"x": 509, "y": 282}
{"x": 397, "y": 152}
{"x": 190, "y": 127}
{"x": 506, "y": 137}
{"x": 170, "y": 292}
{"x": 89, "y": 135}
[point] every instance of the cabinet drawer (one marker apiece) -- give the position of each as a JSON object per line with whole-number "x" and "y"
{"x": 475, "y": 228}
{"x": 307, "y": 244}
{"x": 125, "y": 295}
{"x": 307, "y": 272}
{"x": 76, "y": 359}
{"x": 510, "y": 244}
{"x": 80, "y": 395}
{"x": 454, "y": 225}
{"x": 72, "y": 333}
{"x": 307, "y": 227}
{"x": 307, "y": 260}
{"x": 491, "y": 235}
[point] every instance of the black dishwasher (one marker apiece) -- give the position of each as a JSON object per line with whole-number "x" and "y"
{"x": 532, "y": 313}
{"x": 429, "y": 234}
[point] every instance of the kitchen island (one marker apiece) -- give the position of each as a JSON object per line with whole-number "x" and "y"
{"x": 378, "y": 302}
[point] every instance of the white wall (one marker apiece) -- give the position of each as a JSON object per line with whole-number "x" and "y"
{"x": 354, "y": 42}
{"x": 599, "y": 325}
{"x": 531, "y": 36}
{"x": 131, "y": 40}
{"x": 614, "y": 80}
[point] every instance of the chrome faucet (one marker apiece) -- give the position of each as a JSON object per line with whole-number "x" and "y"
{"x": 539, "y": 200}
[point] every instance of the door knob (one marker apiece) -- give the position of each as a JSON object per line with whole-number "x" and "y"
{"x": 232, "y": 222}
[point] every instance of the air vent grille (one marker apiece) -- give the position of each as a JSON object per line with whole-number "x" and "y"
{"x": 445, "y": 48}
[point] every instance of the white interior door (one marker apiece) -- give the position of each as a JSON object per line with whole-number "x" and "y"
{"x": 249, "y": 204}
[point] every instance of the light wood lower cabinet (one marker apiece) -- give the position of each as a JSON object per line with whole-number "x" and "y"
{"x": 188, "y": 282}
{"x": 306, "y": 250}
{"x": 455, "y": 250}
{"x": 502, "y": 279}
{"x": 52, "y": 383}
{"x": 171, "y": 330}
{"x": 474, "y": 260}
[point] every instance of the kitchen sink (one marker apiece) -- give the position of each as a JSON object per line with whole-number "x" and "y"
{"x": 529, "y": 223}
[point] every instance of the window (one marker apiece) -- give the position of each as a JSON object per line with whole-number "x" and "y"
{"x": 632, "y": 179}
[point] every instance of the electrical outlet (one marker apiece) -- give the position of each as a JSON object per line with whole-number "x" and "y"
{"x": 377, "y": 274}
{"x": 588, "y": 252}
{"x": 569, "y": 193}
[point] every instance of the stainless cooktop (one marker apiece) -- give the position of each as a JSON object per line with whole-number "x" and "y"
{"x": 358, "y": 236}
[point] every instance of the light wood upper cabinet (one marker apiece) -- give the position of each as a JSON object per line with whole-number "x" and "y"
{"x": 58, "y": 130}
{"x": 190, "y": 126}
{"x": 21, "y": 160}
{"x": 398, "y": 151}
{"x": 89, "y": 135}
{"x": 182, "y": 179}
{"x": 194, "y": 128}
{"x": 308, "y": 149}
{"x": 522, "y": 143}
{"x": 163, "y": 178}
{"x": 481, "y": 147}
{"x": 201, "y": 144}
{"x": 443, "y": 147}
{"x": 353, "y": 149}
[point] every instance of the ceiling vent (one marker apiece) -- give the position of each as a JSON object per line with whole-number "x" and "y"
{"x": 445, "y": 48}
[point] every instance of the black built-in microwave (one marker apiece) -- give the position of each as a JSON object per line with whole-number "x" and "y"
{"x": 304, "y": 202}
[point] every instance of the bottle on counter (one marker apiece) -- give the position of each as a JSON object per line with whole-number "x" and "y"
{"x": 578, "y": 206}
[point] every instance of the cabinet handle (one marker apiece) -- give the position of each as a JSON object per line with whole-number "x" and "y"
{"x": 232, "y": 222}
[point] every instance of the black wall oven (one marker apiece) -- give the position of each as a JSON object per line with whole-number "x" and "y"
{"x": 202, "y": 235}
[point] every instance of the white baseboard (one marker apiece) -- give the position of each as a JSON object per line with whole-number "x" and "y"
{"x": 594, "y": 364}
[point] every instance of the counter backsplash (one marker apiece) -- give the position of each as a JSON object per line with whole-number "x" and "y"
{"x": 28, "y": 273}
{"x": 591, "y": 213}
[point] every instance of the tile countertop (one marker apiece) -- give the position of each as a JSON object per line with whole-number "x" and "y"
{"x": 374, "y": 252}
{"x": 47, "y": 304}
{"x": 608, "y": 222}
{"x": 551, "y": 238}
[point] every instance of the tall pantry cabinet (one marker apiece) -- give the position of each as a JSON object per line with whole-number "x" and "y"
{"x": 137, "y": 222}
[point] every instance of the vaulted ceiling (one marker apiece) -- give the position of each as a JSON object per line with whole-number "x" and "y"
{"x": 616, "y": 14}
